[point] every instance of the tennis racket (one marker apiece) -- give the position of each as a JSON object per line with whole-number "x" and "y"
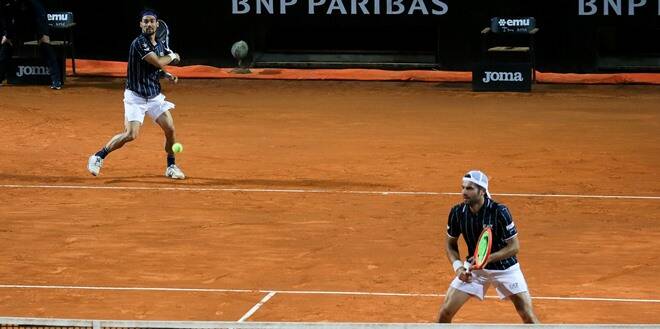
{"x": 163, "y": 35}
{"x": 482, "y": 252}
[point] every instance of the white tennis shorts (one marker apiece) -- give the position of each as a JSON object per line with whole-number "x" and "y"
{"x": 136, "y": 106}
{"x": 507, "y": 282}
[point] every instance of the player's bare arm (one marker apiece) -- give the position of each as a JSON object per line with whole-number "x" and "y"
{"x": 451, "y": 248}
{"x": 161, "y": 62}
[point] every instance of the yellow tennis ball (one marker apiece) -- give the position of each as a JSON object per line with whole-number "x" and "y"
{"x": 177, "y": 148}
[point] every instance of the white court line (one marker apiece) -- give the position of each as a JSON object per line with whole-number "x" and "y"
{"x": 256, "y": 190}
{"x": 257, "y": 306}
{"x": 312, "y": 292}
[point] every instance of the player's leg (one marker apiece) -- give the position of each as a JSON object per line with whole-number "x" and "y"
{"x": 523, "y": 303}
{"x": 166, "y": 122}
{"x": 130, "y": 133}
{"x": 48, "y": 53}
{"x": 511, "y": 283}
{"x": 454, "y": 300}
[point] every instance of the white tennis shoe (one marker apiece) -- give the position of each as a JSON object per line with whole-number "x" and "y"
{"x": 174, "y": 172}
{"x": 94, "y": 165}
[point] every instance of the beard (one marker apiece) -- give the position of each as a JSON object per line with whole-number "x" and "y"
{"x": 471, "y": 201}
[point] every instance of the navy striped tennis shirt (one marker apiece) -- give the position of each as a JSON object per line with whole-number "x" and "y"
{"x": 497, "y": 216}
{"x": 142, "y": 77}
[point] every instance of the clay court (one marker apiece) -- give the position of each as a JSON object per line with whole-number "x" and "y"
{"x": 295, "y": 191}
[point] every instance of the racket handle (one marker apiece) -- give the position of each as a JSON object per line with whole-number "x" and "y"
{"x": 467, "y": 266}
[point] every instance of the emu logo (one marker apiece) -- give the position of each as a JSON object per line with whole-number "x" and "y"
{"x": 514, "y": 22}
{"x": 32, "y": 70}
{"x": 502, "y": 76}
{"x": 58, "y": 17}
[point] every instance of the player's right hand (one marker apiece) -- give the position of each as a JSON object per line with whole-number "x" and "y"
{"x": 464, "y": 275}
{"x": 176, "y": 59}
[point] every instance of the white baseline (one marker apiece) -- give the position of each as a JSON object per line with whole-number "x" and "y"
{"x": 257, "y": 190}
{"x": 272, "y": 292}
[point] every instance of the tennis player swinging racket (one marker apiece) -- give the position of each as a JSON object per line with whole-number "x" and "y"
{"x": 492, "y": 241}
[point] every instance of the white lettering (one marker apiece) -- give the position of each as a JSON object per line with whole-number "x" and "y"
{"x": 514, "y": 22}
{"x": 443, "y": 8}
{"x": 590, "y": 4}
{"x": 418, "y": 5}
{"x": 268, "y": 4}
{"x": 377, "y": 7}
{"x": 398, "y": 4}
{"x": 243, "y": 3}
{"x": 614, "y": 4}
{"x": 632, "y": 5}
{"x": 286, "y": 3}
{"x": 32, "y": 70}
{"x": 362, "y": 4}
{"x": 350, "y": 7}
{"x": 502, "y": 76}
{"x": 57, "y": 17}
{"x": 336, "y": 4}
{"x": 313, "y": 4}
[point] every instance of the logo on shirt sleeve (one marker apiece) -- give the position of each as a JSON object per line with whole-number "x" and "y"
{"x": 510, "y": 226}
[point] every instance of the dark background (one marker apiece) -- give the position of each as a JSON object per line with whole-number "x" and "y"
{"x": 203, "y": 31}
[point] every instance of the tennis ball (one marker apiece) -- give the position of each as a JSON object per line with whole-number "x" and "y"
{"x": 177, "y": 148}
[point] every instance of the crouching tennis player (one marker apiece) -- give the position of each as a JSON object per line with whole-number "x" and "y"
{"x": 502, "y": 270}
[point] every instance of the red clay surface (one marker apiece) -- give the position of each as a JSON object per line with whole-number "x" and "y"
{"x": 350, "y": 136}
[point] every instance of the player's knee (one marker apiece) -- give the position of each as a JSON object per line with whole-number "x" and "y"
{"x": 130, "y": 135}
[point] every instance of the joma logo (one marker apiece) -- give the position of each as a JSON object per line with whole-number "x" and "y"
{"x": 502, "y": 76}
{"x": 32, "y": 70}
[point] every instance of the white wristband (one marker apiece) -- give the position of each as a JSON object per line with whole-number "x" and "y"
{"x": 172, "y": 56}
{"x": 457, "y": 264}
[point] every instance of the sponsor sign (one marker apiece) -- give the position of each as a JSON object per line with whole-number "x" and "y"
{"x": 502, "y": 77}
{"x": 512, "y": 24}
{"x": 341, "y": 7}
{"x": 30, "y": 71}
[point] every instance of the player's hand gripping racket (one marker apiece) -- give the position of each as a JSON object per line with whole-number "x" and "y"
{"x": 482, "y": 252}
{"x": 163, "y": 35}
{"x": 171, "y": 77}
